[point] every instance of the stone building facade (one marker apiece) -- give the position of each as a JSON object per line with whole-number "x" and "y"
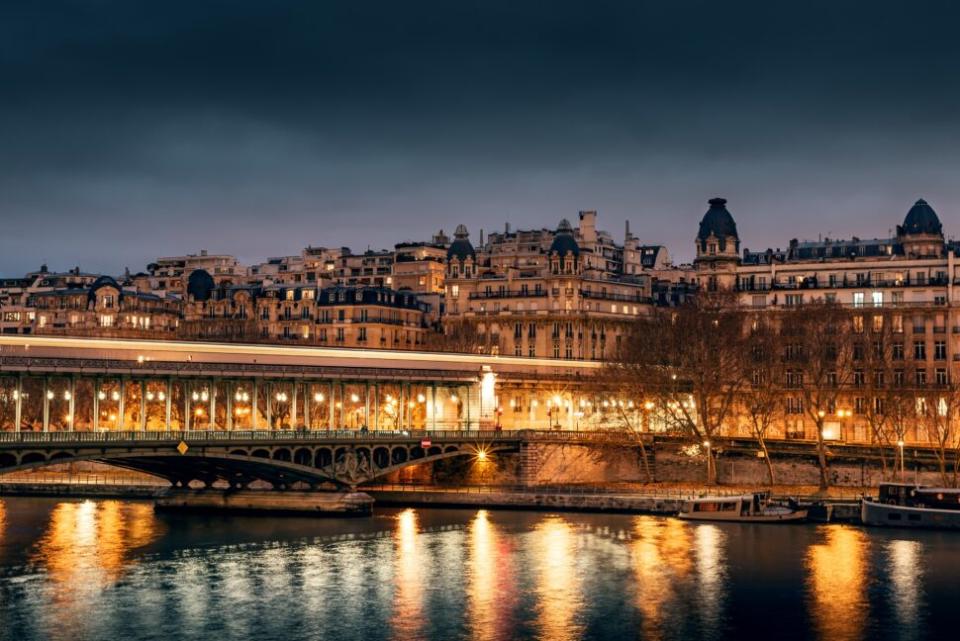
{"x": 563, "y": 293}
{"x": 903, "y": 287}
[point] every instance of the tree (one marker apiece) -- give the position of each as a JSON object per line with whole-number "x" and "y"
{"x": 763, "y": 393}
{"x": 688, "y": 362}
{"x": 818, "y": 345}
{"x": 937, "y": 411}
{"x": 463, "y": 337}
{"x": 878, "y": 359}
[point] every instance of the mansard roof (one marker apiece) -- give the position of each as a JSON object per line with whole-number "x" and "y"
{"x": 563, "y": 242}
{"x": 461, "y": 247}
{"x": 717, "y": 221}
{"x": 921, "y": 219}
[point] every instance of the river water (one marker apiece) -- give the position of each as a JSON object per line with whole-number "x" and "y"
{"x": 107, "y": 569}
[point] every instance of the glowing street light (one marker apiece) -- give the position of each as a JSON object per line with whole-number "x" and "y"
{"x": 902, "y": 471}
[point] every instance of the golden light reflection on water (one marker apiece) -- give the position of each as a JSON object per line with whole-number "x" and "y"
{"x": 906, "y": 572}
{"x": 660, "y": 556}
{"x": 709, "y": 541}
{"x": 87, "y": 546}
{"x": 559, "y": 598}
{"x": 489, "y": 581}
{"x": 838, "y": 581}
{"x": 408, "y": 582}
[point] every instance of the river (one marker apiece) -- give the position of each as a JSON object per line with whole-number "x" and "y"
{"x": 109, "y": 569}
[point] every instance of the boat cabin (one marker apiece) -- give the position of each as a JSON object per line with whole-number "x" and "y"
{"x": 910, "y": 495}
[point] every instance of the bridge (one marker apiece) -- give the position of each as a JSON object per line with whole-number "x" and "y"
{"x": 281, "y": 458}
{"x": 52, "y": 384}
{"x": 231, "y": 413}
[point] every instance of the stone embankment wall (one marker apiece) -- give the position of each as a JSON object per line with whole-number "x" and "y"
{"x": 674, "y": 466}
{"x": 562, "y": 464}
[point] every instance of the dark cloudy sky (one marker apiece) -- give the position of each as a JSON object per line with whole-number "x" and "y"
{"x": 130, "y": 130}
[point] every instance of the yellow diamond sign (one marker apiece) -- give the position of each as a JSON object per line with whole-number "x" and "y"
{"x": 182, "y": 447}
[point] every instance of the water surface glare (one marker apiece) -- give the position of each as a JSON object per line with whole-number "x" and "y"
{"x": 107, "y": 569}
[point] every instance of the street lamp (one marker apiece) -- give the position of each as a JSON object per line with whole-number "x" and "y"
{"x": 706, "y": 444}
{"x": 900, "y": 445}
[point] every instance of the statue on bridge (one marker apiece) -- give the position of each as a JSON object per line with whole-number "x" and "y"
{"x": 353, "y": 467}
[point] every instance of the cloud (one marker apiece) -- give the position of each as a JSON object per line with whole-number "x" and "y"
{"x": 131, "y": 131}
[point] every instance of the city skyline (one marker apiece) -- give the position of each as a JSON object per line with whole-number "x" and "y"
{"x": 682, "y": 254}
{"x": 254, "y": 127}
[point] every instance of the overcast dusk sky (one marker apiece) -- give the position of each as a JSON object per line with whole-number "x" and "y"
{"x": 131, "y": 130}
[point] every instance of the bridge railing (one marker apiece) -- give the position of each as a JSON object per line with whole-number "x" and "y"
{"x": 256, "y": 435}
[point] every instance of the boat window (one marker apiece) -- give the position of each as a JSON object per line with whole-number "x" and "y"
{"x": 913, "y": 517}
{"x": 893, "y": 517}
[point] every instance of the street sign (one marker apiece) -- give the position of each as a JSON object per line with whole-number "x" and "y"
{"x": 425, "y": 443}
{"x": 182, "y": 447}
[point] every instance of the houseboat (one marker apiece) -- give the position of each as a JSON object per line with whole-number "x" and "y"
{"x": 746, "y": 508}
{"x": 914, "y": 506}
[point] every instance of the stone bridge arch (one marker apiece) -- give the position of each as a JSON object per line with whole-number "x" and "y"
{"x": 281, "y": 465}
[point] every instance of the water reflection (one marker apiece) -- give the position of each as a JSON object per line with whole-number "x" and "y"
{"x": 489, "y": 581}
{"x": 660, "y": 553}
{"x": 74, "y": 570}
{"x": 408, "y": 581}
{"x": 838, "y": 582}
{"x": 906, "y": 572}
{"x": 709, "y": 541}
{"x": 87, "y": 546}
{"x": 558, "y": 592}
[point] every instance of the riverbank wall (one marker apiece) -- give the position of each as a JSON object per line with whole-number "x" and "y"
{"x": 670, "y": 463}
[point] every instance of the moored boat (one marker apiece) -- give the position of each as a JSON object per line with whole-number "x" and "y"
{"x": 745, "y": 508}
{"x": 912, "y": 506}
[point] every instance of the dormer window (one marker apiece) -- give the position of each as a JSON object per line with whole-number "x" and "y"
{"x": 712, "y": 248}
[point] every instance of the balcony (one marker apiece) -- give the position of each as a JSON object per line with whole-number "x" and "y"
{"x": 814, "y": 283}
{"x": 626, "y": 298}
{"x": 507, "y": 294}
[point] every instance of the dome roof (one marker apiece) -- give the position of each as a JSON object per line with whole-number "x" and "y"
{"x": 563, "y": 241}
{"x": 717, "y": 221}
{"x": 103, "y": 281}
{"x": 460, "y": 247}
{"x": 921, "y": 219}
{"x": 200, "y": 285}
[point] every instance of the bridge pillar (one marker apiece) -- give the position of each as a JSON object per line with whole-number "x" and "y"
{"x": 529, "y": 463}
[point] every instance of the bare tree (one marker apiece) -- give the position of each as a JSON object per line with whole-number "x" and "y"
{"x": 462, "y": 337}
{"x": 879, "y": 377}
{"x": 620, "y": 380}
{"x": 937, "y": 411}
{"x": 818, "y": 348}
{"x": 688, "y": 361}
{"x": 763, "y": 393}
